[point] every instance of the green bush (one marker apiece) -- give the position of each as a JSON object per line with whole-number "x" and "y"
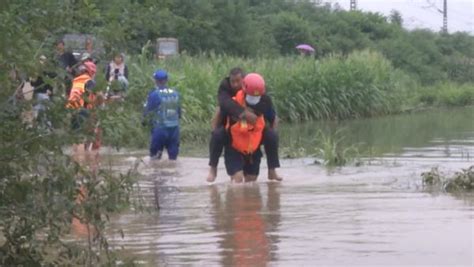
{"x": 39, "y": 185}
{"x": 447, "y": 94}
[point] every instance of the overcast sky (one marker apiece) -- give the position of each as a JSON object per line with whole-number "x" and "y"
{"x": 418, "y": 14}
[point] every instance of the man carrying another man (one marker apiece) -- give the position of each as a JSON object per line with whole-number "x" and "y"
{"x": 230, "y": 108}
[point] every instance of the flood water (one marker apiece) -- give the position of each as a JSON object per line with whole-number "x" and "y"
{"x": 376, "y": 214}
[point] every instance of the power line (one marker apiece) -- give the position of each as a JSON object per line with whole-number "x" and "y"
{"x": 444, "y": 11}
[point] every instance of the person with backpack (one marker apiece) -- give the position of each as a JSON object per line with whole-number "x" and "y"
{"x": 163, "y": 112}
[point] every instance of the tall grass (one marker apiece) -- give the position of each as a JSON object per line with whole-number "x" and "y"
{"x": 446, "y": 94}
{"x": 331, "y": 149}
{"x": 360, "y": 85}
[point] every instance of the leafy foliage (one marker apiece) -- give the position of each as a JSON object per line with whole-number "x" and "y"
{"x": 241, "y": 28}
{"x": 39, "y": 188}
{"x": 447, "y": 94}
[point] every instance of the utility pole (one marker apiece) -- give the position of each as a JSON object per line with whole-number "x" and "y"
{"x": 445, "y": 16}
{"x": 354, "y": 5}
{"x": 444, "y": 11}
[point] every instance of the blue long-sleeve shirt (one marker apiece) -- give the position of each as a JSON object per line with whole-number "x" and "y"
{"x": 163, "y": 107}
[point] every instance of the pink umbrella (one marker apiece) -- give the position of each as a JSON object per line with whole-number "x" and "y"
{"x": 305, "y": 47}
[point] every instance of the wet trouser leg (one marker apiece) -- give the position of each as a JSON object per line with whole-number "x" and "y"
{"x": 158, "y": 139}
{"x": 270, "y": 143}
{"x": 172, "y": 145}
{"x": 236, "y": 161}
{"x": 216, "y": 145}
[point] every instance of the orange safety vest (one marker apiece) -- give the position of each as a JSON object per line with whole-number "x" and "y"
{"x": 246, "y": 138}
{"x": 75, "y": 100}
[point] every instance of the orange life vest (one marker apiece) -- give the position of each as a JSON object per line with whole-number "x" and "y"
{"x": 76, "y": 100}
{"x": 246, "y": 138}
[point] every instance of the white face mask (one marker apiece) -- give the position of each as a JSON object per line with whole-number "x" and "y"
{"x": 252, "y": 100}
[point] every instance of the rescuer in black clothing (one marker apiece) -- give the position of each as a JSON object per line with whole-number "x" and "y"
{"x": 228, "y": 87}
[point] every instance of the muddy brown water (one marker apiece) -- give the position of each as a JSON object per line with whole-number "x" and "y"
{"x": 377, "y": 214}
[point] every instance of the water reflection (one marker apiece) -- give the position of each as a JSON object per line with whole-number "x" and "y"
{"x": 249, "y": 227}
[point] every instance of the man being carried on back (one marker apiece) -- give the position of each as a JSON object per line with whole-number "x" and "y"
{"x": 230, "y": 108}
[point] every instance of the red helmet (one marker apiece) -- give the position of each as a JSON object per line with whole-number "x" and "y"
{"x": 90, "y": 68}
{"x": 254, "y": 84}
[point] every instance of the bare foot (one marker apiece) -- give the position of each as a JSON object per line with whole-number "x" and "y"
{"x": 250, "y": 178}
{"x": 211, "y": 177}
{"x": 238, "y": 177}
{"x": 273, "y": 176}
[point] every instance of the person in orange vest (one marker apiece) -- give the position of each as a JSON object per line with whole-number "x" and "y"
{"x": 83, "y": 99}
{"x": 228, "y": 88}
{"x": 81, "y": 95}
{"x": 242, "y": 154}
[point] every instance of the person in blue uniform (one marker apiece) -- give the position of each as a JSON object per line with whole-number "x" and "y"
{"x": 163, "y": 112}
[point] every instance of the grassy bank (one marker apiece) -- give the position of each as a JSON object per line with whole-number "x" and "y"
{"x": 446, "y": 95}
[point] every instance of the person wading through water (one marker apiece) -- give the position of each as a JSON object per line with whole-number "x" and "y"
{"x": 242, "y": 153}
{"x": 228, "y": 88}
{"x": 163, "y": 112}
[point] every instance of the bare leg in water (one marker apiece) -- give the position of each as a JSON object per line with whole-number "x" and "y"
{"x": 238, "y": 177}
{"x": 273, "y": 175}
{"x": 212, "y": 175}
{"x": 250, "y": 178}
{"x": 215, "y": 147}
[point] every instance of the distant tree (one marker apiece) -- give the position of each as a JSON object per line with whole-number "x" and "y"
{"x": 290, "y": 30}
{"x": 396, "y": 18}
{"x": 239, "y": 27}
